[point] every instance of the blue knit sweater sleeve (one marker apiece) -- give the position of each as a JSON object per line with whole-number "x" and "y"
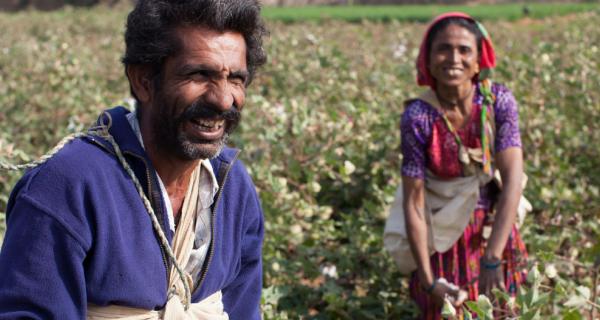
{"x": 41, "y": 264}
{"x": 242, "y": 296}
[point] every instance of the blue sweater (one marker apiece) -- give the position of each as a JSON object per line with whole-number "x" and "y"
{"x": 78, "y": 233}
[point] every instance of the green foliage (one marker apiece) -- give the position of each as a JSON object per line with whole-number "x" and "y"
{"x": 321, "y": 141}
{"x": 547, "y": 289}
{"x": 505, "y": 11}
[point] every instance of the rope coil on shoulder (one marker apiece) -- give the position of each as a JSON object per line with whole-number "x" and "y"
{"x": 102, "y": 132}
{"x": 18, "y": 167}
{"x": 155, "y": 223}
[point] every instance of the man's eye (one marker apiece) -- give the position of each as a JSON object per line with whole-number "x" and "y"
{"x": 238, "y": 80}
{"x": 198, "y": 75}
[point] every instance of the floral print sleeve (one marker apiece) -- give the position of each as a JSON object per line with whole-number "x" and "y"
{"x": 507, "y": 119}
{"x": 415, "y": 129}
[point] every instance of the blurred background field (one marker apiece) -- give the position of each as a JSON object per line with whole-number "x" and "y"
{"x": 423, "y": 13}
{"x": 320, "y": 138}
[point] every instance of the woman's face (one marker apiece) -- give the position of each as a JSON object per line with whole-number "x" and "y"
{"x": 453, "y": 57}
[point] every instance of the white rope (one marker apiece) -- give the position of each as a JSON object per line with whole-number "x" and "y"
{"x": 155, "y": 223}
{"x": 102, "y": 132}
{"x": 17, "y": 167}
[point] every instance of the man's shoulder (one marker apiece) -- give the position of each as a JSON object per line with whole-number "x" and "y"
{"x": 78, "y": 161}
{"x": 227, "y": 155}
{"x": 81, "y": 157}
{"x": 60, "y": 187}
{"x": 228, "y": 163}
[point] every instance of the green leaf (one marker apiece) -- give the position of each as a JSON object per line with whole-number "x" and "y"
{"x": 500, "y": 294}
{"x": 576, "y": 301}
{"x": 546, "y": 256}
{"x": 521, "y": 297}
{"x": 474, "y": 307}
{"x": 467, "y": 314}
{"x": 534, "y": 295}
{"x": 572, "y": 315}
{"x": 486, "y": 306}
{"x": 584, "y": 292}
{"x": 528, "y": 298}
{"x": 533, "y": 276}
{"x": 272, "y": 294}
{"x": 542, "y": 300}
{"x": 531, "y": 315}
{"x": 448, "y": 310}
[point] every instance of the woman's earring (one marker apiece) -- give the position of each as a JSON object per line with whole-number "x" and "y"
{"x": 477, "y": 68}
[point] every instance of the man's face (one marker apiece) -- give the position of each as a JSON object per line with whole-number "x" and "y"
{"x": 201, "y": 93}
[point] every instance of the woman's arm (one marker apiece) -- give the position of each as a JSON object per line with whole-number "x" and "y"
{"x": 510, "y": 164}
{"x": 416, "y": 227}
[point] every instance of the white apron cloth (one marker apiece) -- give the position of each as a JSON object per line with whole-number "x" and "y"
{"x": 448, "y": 208}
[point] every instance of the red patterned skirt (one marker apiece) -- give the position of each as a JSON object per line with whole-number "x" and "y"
{"x": 460, "y": 265}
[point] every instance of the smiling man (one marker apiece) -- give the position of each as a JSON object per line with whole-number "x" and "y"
{"x": 150, "y": 215}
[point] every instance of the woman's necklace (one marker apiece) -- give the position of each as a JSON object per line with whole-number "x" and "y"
{"x": 463, "y": 155}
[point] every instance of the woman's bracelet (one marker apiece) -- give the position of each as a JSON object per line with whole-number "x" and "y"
{"x": 429, "y": 290}
{"x": 490, "y": 265}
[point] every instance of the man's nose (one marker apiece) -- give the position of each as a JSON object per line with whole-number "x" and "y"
{"x": 220, "y": 95}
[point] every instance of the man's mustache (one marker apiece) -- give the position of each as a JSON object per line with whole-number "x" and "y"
{"x": 200, "y": 109}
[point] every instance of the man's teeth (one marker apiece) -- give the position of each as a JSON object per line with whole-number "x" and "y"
{"x": 209, "y": 123}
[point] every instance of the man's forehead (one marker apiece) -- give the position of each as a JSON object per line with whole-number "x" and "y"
{"x": 202, "y": 46}
{"x": 201, "y": 37}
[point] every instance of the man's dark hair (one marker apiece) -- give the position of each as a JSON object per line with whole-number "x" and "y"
{"x": 150, "y": 39}
{"x": 468, "y": 24}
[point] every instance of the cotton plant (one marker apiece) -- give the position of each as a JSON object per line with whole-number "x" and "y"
{"x": 530, "y": 303}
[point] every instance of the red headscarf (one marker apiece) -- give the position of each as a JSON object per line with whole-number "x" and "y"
{"x": 487, "y": 57}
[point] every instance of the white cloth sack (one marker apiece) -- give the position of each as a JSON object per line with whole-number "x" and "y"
{"x": 448, "y": 207}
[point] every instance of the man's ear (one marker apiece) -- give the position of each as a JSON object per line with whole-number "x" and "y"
{"x": 141, "y": 82}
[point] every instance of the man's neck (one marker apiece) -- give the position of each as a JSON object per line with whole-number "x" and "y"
{"x": 174, "y": 172}
{"x": 175, "y": 175}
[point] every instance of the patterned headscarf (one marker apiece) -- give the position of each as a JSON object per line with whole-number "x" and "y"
{"x": 487, "y": 57}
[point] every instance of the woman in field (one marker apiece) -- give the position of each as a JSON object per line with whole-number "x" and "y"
{"x": 453, "y": 137}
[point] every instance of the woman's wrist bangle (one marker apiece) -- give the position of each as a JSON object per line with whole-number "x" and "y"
{"x": 429, "y": 289}
{"x": 490, "y": 265}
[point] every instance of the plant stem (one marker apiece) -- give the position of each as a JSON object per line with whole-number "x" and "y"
{"x": 594, "y": 292}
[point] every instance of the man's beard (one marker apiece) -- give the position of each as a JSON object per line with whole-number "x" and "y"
{"x": 170, "y": 136}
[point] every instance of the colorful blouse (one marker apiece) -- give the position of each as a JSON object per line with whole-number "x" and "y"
{"x": 428, "y": 144}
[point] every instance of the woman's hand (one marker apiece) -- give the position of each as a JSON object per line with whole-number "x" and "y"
{"x": 490, "y": 277}
{"x": 443, "y": 290}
